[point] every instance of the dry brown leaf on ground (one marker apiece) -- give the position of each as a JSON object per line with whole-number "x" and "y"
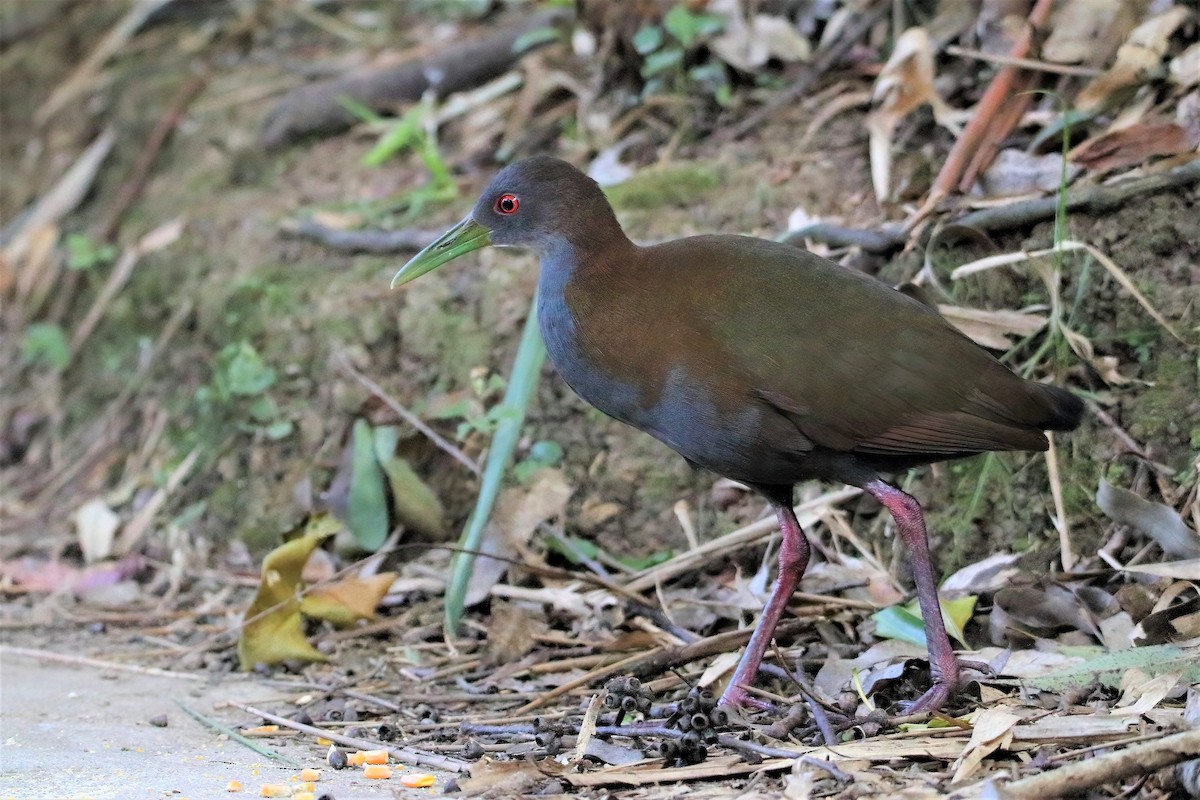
{"x": 519, "y": 510}
{"x": 904, "y": 84}
{"x": 1138, "y": 60}
{"x": 991, "y": 730}
{"x": 348, "y": 600}
{"x": 1132, "y": 146}
{"x": 993, "y": 328}
{"x": 1160, "y": 522}
{"x": 1088, "y": 31}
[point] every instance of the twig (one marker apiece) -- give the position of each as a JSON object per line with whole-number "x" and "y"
{"x": 406, "y": 754}
{"x": 135, "y": 184}
{"x": 362, "y": 241}
{"x": 62, "y": 198}
{"x": 742, "y": 537}
{"x": 1024, "y": 63}
{"x": 811, "y": 73}
{"x": 1075, "y": 779}
{"x": 133, "y": 533}
{"x": 1061, "y": 523}
{"x": 406, "y": 415}
{"x": 84, "y": 661}
{"x": 212, "y": 724}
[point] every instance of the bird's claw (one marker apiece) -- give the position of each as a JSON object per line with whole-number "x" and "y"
{"x": 946, "y": 680}
{"x": 735, "y": 696}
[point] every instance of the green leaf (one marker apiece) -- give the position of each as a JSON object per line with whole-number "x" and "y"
{"x": 688, "y": 28}
{"x": 245, "y": 373}
{"x": 366, "y": 506}
{"x": 279, "y": 430}
{"x": 541, "y": 454}
{"x": 417, "y": 506}
{"x": 45, "y": 342}
{"x": 526, "y": 373}
{"x": 648, "y": 39}
{"x": 83, "y": 253}
{"x": 905, "y": 624}
{"x": 663, "y": 60}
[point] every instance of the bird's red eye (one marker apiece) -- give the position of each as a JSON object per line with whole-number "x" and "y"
{"x": 507, "y": 204}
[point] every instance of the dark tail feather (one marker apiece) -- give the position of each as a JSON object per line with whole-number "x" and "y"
{"x": 1063, "y": 409}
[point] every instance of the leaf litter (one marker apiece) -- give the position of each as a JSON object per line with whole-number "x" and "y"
{"x": 1080, "y": 661}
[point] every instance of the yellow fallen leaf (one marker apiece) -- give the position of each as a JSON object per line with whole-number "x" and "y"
{"x": 273, "y": 630}
{"x": 347, "y": 601}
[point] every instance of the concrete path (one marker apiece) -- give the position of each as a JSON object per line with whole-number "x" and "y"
{"x": 70, "y": 731}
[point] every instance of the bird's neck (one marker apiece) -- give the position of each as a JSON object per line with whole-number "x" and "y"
{"x": 583, "y": 256}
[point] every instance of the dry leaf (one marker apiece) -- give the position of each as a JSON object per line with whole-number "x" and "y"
{"x": 747, "y": 44}
{"x": 273, "y": 630}
{"x": 1131, "y": 146}
{"x": 1138, "y": 60}
{"x": 1185, "y": 67}
{"x": 1088, "y": 31}
{"x": 991, "y": 730}
{"x": 517, "y": 514}
{"x": 990, "y": 574}
{"x": 1160, "y": 522}
{"x": 96, "y": 525}
{"x": 347, "y": 601}
{"x": 992, "y": 328}
{"x": 510, "y": 635}
{"x": 904, "y": 84}
{"x": 1015, "y": 172}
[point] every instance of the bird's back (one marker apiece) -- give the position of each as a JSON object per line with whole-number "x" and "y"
{"x": 763, "y": 361}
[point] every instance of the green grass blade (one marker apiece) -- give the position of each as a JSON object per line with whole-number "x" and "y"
{"x": 526, "y": 369}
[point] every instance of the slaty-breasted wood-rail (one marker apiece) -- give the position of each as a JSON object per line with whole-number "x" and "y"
{"x": 761, "y": 362}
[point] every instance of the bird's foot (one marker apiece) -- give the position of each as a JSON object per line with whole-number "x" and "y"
{"x": 947, "y": 677}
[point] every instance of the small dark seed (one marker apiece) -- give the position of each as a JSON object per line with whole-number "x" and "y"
{"x": 158, "y": 721}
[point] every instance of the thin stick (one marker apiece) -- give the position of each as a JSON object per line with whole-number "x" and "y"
{"x": 406, "y": 415}
{"x": 407, "y": 754}
{"x": 1060, "y": 508}
{"x": 742, "y": 537}
{"x": 225, "y": 730}
{"x": 1024, "y": 63}
{"x": 84, "y": 661}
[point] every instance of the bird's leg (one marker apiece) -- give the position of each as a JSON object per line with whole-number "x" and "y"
{"x": 793, "y": 560}
{"x": 943, "y": 664}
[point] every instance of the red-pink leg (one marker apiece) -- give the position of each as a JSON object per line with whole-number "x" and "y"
{"x": 793, "y": 560}
{"x": 943, "y": 664}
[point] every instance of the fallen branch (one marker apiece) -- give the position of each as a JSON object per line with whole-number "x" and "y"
{"x": 1094, "y": 200}
{"x": 319, "y": 108}
{"x": 1075, "y": 779}
{"x": 372, "y": 240}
